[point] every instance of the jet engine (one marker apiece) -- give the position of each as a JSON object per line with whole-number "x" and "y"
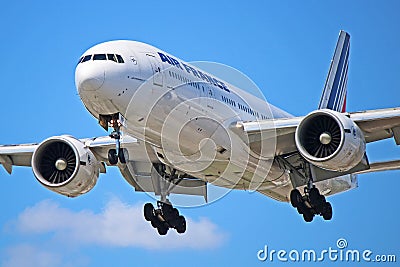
{"x": 64, "y": 164}
{"x": 330, "y": 140}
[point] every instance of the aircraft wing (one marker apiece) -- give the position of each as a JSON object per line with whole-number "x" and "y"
{"x": 16, "y": 155}
{"x": 21, "y": 155}
{"x": 376, "y": 125}
{"x": 379, "y": 124}
{"x": 382, "y": 166}
{"x": 139, "y": 170}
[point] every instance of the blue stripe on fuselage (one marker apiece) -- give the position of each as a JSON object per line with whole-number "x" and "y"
{"x": 340, "y": 77}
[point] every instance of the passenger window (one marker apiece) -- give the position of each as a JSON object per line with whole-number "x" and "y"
{"x": 86, "y": 58}
{"x": 111, "y": 57}
{"x": 99, "y": 57}
{"x": 120, "y": 59}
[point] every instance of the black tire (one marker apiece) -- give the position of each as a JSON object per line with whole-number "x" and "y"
{"x": 300, "y": 210}
{"x": 148, "y": 211}
{"x": 162, "y": 229}
{"x": 317, "y": 200}
{"x": 175, "y": 213}
{"x": 112, "y": 156}
{"x": 321, "y": 204}
{"x": 327, "y": 211}
{"x": 155, "y": 222}
{"x": 181, "y": 226}
{"x": 308, "y": 216}
{"x": 121, "y": 156}
{"x": 173, "y": 218}
{"x": 314, "y": 196}
{"x": 295, "y": 198}
{"x": 166, "y": 208}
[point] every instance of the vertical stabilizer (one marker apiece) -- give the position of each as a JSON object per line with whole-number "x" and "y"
{"x": 335, "y": 90}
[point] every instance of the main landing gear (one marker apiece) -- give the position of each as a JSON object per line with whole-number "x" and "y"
{"x": 311, "y": 204}
{"x": 164, "y": 217}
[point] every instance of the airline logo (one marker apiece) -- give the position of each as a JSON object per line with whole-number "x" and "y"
{"x": 205, "y": 77}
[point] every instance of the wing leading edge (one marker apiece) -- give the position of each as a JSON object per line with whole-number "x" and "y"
{"x": 375, "y": 124}
{"x": 138, "y": 171}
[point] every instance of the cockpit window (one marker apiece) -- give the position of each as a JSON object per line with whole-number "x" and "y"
{"x": 86, "y": 58}
{"x": 111, "y": 57}
{"x": 99, "y": 57}
{"x": 120, "y": 59}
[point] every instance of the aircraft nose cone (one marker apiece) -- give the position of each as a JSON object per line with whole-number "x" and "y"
{"x": 89, "y": 77}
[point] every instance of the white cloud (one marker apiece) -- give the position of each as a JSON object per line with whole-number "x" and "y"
{"x": 118, "y": 225}
{"x": 27, "y": 255}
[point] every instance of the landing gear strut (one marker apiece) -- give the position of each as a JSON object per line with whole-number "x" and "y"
{"x": 116, "y": 154}
{"x": 164, "y": 217}
{"x": 311, "y": 204}
{"x": 114, "y": 121}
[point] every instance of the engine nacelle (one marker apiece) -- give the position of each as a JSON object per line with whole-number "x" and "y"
{"x": 330, "y": 140}
{"x": 64, "y": 165}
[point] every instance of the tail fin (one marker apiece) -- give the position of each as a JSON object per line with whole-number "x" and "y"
{"x": 335, "y": 89}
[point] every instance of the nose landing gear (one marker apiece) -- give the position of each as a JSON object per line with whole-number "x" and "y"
{"x": 116, "y": 154}
{"x": 114, "y": 121}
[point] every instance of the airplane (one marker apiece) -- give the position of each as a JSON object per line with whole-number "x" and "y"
{"x": 174, "y": 128}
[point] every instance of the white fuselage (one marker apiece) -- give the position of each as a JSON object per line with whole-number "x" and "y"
{"x": 185, "y": 114}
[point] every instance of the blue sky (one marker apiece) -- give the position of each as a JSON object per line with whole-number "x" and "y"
{"x": 284, "y": 46}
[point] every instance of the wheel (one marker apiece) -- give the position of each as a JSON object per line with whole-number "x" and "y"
{"x": 181, "y": 226}
{"x": 172, "y": 217}
{"x": 302, "y": 208}
{"x": 321, "y": 204}
{"x": 295, "y": 198}
{"x": 175, "y": 213}
{"x": 314, "y": 196}
{"x": 155, "y": 222}
{"x": 148, "y": 211}
{"x": 308, "y": 216}
{"x": 166, "y": 208}
{"x": 327, "y": 211}
{"x": 172, "y": 214}
{"x": 121, "y": 156}
{"x": 162, "y": 229}
{"x": 112, "y": 156}
{"x": 169, "y": 211}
